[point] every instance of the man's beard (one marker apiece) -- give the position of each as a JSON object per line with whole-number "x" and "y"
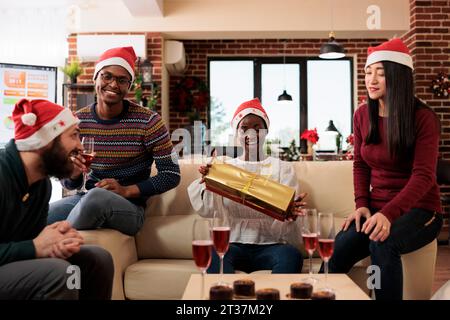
{"x": 57, "y": 162}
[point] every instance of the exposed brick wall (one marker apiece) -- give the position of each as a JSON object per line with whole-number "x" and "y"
{"x": 154, "y": 55}
{"x": 198, "y": 52}
{"x": 429, "y": 39}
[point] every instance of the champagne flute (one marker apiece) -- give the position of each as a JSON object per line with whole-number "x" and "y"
{"x": 221, "y": 236}
{"x": 88, "y": 155}
{"x": 310, "y": 238}
{"x": 202, "y": 245}
{"x": 326, "y": 242}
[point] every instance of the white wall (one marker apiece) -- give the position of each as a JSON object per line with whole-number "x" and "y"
{"x": 36, "y": 34}
{"x": 193, "y": 19}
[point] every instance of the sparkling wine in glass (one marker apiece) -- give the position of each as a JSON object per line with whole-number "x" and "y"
{"x": 221, "y": 236}
{"x": 88, "y": 155}
{"x": 326, "y": 241}
{"x": 202, "y": 246}
{"x": 310, "y": 238}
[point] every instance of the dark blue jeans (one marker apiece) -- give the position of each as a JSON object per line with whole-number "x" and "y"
{"x": 99, "y": 208}
{"x": 280, "y": 258}
{"x": 410, "y": 232}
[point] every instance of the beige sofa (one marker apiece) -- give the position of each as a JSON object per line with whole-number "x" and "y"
{"x": 157, "y": 263}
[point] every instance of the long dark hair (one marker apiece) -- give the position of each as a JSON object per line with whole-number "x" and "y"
{"x": 401, "y": 106}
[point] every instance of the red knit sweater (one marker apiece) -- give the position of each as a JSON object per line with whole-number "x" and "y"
{"x": 396, "y": 186}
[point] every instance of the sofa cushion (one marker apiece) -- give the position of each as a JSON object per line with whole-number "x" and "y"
{"x": 329, "y": 185}
{"x": 176, "y": 201}
{"x": 420, "y": 263}
{"x": 167, "y": 237}
{"x": 166, "y": 232}
{"x": 122, "y": 249}
{"x": 167, "y": 229}
{"x": 158, "y": 278}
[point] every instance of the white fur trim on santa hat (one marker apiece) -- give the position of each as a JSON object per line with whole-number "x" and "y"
{"x": 247, "y": 111}
{"x": 48, "y": 132}
{"x": 386, "y": 55}
{"x": 114, "y": 61}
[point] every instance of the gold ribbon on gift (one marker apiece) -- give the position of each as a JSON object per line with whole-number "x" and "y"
{"x": 251, "y": 189}
{"x": 247, "y": 186}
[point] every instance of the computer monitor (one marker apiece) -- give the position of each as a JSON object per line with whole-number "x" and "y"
{"x": 22, "y": 81}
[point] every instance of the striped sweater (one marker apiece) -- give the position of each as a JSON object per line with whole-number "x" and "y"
{"x": 125, "y": 149}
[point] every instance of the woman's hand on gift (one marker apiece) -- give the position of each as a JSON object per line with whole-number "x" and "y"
{"x": 297, "y": 207}
{"x": 204, "y": 171}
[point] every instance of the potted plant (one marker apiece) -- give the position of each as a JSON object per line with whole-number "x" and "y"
{"x": 311, "y": 136}
{"x": 72, "y": 70}
{"x": 291, "y": 153}
{"x": 153, "y": 98}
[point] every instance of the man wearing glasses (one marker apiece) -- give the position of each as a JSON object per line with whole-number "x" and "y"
{"x": 128, "y": 138}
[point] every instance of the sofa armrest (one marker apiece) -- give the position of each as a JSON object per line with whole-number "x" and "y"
{"x": 122, "y": 249}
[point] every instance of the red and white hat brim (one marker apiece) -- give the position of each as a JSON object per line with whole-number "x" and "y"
{"x": 64, "y": 120}
{"x": 247, "y": 111}
{"x": 114, "y": 61}
{"x": 386, "y": 55}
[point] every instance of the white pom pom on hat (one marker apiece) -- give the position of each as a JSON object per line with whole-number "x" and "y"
{"x": 29, "y": 119}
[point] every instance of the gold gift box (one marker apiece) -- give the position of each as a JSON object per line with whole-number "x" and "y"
{"x": 250, "y": 189}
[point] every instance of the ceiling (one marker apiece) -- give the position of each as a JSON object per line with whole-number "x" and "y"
{"x": 233, "y": 19}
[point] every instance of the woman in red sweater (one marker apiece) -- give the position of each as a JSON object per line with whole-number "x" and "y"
{"x": 396, "y": 150}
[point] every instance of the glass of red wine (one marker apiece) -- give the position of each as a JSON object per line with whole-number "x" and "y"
{"x": 88, "y": 155}
{"x": 202, "y": 245}
{"x": 310, "y": 238}
{"x": 326, "y": 242}
{"x": 221, "y": 236}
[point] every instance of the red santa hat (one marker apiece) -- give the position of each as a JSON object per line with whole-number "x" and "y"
{"x": 393, "y": 50}
{"x": 38, "y": 122}
{"x": 122, "y": 56}
{"x": 249, "y": 107}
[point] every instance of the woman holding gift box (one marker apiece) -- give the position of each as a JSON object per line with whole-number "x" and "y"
{"x": 395, "y": 155}
{"x": 257, "y": 241}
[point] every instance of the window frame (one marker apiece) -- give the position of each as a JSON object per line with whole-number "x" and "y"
{"x": 303, "y": 62}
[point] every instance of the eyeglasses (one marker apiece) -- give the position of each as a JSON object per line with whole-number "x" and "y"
{"x": 109, "y": 78}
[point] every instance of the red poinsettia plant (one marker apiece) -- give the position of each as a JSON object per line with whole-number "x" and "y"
{"x": 351, "y": 142}
{"x": 351, "y": 139}
{"x": 310, "y": 135}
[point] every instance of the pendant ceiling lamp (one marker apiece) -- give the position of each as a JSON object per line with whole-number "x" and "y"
{"x": 284, "y": 97}
{"x": 331, "y": 49}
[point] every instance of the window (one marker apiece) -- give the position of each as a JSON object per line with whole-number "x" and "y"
{"x": 321, "y": 91}
{"x": 274, "y": 79}
{"x": 230, "y": 83}
{"x": 330, "y": 95}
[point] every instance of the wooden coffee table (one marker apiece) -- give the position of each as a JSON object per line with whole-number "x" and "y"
{"x": 344, "y": 287}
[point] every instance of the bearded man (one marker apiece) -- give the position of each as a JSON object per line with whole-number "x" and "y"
{"x": 38, "y": 261}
